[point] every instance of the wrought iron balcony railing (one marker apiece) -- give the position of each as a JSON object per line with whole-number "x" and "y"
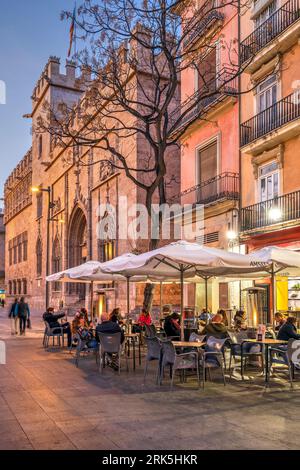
{"x": 223, "y": 186}
{"x": 270, "y": 29}
{"x": 278, "y": 210}
{"x": 277, "y": 115}
{"x": 199, "y": 27}
{"x": 225, "y": 83}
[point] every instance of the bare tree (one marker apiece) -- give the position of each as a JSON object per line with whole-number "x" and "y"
{"x": 137, "y": 52}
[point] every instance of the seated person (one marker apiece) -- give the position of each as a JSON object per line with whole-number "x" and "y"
{"x": 223, "y": 315}
{"x": 216, "y": 328}
{"x": 280, "y": 320}
{"x": 52, "y": 321}
{"x": 172, "y": 325}
{"x": 240, "y": 321}
{"x": 78, "y": 322}
{"x": 144, "y": 318}
{"x": 84, "y": 314}
{"x": 288, "y": 330}
{"x": 109, "y": 327}
{"x": 115, "y": 315}
{"x": 84, "y": 329}
{"x": 205, "y": 316}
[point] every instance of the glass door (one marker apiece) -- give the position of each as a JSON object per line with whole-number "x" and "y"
{"x": 266, "y": 100}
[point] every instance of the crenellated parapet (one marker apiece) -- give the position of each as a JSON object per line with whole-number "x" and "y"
{"x": 53, "y": 75}
{"x": 17, "y": 194}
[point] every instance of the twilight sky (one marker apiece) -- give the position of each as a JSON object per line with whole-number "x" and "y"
{"x": 30, "y": 31}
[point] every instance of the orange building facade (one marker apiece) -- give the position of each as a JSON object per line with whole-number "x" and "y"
{"x": 269, "y": 130}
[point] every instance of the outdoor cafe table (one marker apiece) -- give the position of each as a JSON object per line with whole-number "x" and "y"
{"x": 266, "y": 343}
{"x": 188, "y": 344}
{"x": 130, "y": 338}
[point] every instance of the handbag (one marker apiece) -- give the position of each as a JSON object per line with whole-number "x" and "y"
{"x": 28, "y": 323}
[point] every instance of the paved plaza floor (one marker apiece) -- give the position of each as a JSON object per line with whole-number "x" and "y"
{"x": 47, "y": 403}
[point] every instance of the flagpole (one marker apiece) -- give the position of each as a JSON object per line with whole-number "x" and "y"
{"x": 75, "y": 31}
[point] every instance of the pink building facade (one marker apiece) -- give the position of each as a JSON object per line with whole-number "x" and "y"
{"x": 210, "y": 146}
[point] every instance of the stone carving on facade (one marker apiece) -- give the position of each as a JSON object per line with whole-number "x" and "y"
{"x": 106, "y": 170}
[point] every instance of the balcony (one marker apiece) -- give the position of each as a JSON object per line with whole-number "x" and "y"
{"x": 222, "y": 187}
{"x": 203, "y": 24}
{"x": 224, "y": 85}
{"x": 280, "y": 210}
{"x": 259, "y": 47}
{"x": 282, "y": 119}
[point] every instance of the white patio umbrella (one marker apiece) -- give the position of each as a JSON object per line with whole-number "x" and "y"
{"x": 274, "y": 260}
{"x": 184, "y": 259}
{"x": 89, "y": 273}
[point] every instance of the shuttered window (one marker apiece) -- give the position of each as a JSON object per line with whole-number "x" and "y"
{"x": 208, "y": 162}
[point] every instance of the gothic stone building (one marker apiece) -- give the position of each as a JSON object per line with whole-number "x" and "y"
{"x": 2, "y": 252}
{"x": 75, "y": 194}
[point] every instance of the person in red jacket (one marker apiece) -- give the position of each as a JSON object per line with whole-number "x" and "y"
{"x": 144, "y": 318}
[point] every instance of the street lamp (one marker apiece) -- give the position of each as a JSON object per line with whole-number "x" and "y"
{"x": 51, "y": 205}
{"x": 275, "y": 214}
{"x": 231, "y": 235}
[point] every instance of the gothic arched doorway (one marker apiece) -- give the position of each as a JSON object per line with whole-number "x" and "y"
{"x": 78, "y": 247}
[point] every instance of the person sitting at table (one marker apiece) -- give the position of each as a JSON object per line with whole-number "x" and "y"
{"x": 144, "y": 318}
{"x": 53, "y": 322}
{"x": 115, "y": 315}
{"x": 280, "y": 320}
{"x": 172, "y": 325}
{"x": 79, "y": 322}
{"x": 240, "y": 321}
{"x": 216, "y": 328}
{"x": 85, "y": 315}
{"x": 223, "y": 314}
{"x": 288, "y": 330}
{"x": 205, "y": 316}
{"x": 109, "y": 327}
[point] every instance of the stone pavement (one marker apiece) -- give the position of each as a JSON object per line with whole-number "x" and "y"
{"x": 46, "y": 403}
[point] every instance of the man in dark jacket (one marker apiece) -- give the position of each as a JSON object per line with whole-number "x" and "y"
{"x": 216, "y": 328}
{"x": 172, "y": 325}
{"x": 109, "y": 327}
{"x": 288, "y": 330}
{"x": 13, "y": 315}
{"x": 53, "y": 322}
{"x": 23, "y": 314}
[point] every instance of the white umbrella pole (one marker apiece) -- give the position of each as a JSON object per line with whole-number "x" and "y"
{"x": 128, "y": 296}
{"x": 92, "y": 300}
{"x": 206, "y": 293}
{"x": 274, "y": 293}
{"x": 160, "y": 298}
{"x": 181, "y": 303}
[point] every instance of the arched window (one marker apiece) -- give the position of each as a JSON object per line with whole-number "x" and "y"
{"x": 39, "y": 258}
{"x": 56, "y": 261}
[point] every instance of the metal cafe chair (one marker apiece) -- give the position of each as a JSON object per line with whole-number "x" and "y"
{"x": 212, "y": 357}
{"x": 240, "y": 348}
{"x": 110, "y": 344}
{"x": 82, "y": 346}
{"x": 287, "y": 360}
{"x": 153, "y": 354}
{"x": 56, "y": 332}
{"x": 177, "y": 361}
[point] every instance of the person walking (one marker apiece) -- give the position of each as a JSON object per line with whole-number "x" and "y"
{"x": 13, "y": 315}
{"x": 23, "y": 314}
